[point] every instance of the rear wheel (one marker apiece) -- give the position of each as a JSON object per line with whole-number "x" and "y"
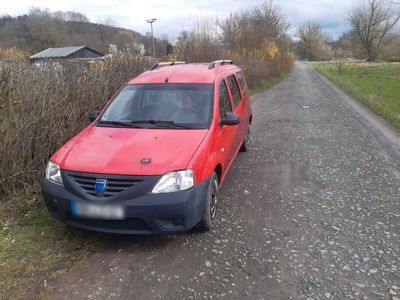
{"x": 247, "y": 140}
{"x": 211, "y": 203}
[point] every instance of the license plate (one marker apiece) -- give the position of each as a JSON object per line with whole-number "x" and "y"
{"x": 97, "y": 211}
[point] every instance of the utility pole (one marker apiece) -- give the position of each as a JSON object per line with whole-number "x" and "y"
{"x": 151, "y": 21}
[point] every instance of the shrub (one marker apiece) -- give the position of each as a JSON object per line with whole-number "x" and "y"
{"x": 43, "y": 107}
{"x": 13, "y": 54}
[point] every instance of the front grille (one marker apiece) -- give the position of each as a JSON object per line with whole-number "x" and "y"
{"x": 115, "y": 184}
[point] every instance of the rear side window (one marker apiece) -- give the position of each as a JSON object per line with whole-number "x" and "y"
{"x": 224, "y": 103}
{"x": 242, "y": 82}
{"x": 234, "y": 89}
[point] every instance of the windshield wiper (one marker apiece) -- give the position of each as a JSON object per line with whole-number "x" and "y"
{"x": 120, "y": 123}
{"x": 164, "y": 123}
{"x": 134, "y": 123}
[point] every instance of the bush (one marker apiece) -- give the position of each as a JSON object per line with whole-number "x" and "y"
{"x": 13, "y": 54}
{"x": 261, "y": 69}
{"x": 255, "y": 39}
{"x": 43, "y": 107}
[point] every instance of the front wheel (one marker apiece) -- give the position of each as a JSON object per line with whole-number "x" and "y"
{"x": 210, "y": 207}
{"x": 247, "y": 140}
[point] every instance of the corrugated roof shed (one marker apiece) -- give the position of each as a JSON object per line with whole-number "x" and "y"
{"x": 60, "y": 52}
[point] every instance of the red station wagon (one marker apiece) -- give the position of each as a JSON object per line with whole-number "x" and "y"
{"x": 153, "y": 159}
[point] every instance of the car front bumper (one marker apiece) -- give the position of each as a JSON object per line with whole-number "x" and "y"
{"x": 165, "y": 213}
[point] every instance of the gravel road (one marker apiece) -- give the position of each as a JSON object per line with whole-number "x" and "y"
{"x": 311, "y": 212}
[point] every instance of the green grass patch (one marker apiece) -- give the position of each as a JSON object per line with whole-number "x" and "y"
{"x": 377, "y": 85}
{"x": 35, "y": 249}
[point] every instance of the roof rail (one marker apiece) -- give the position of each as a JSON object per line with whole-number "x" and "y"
{"x": 166, "y": 63}
{"x": 213, "y": 64}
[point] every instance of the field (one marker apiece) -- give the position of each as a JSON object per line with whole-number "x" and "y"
{"x": 377, "y": 85}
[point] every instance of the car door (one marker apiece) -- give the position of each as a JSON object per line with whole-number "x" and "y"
{"x": 225, "y": 137}
{"x": 245, "y": 99}
{"x": 238, "y": 108}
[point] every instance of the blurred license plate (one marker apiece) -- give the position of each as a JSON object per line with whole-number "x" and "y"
{"x": 101, "y": 211}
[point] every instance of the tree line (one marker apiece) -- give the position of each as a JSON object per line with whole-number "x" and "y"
{"x": 40, "y": 29}
{"x": 371, "y": 35}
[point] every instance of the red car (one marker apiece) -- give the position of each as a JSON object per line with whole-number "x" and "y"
{"x": 153, "y": 159}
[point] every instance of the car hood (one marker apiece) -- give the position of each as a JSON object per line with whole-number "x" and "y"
{"x": 129, "y": 151}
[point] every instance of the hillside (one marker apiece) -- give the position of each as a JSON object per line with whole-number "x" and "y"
{"x": 41, "y": 29}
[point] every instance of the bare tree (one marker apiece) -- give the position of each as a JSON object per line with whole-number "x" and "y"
{"x": 43, "y": 30}
{"x": 372, "y": 21}
{"x": 250, "y": 29}
{"x": 350, "y": 45}
{"x": 124, "y": 40}
{"x": 199, "y": 44}
{"x": 70, "y": 16}
{"x": 313, "y": 42}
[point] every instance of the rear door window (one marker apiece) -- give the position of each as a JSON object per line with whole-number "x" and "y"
{"x": 224, "y": 102}
{"x": 234, "y": 89}
{"x": 242, "y": 82}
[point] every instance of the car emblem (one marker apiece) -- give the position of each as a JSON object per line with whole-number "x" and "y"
{"x": 145, "y": 161}
{"x": 101, "y": 185}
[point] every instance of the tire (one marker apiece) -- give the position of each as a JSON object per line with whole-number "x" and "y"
{"x": 247, "y": 140}
{"x": 209, "y": 216}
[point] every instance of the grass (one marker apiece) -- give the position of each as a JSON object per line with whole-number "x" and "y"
{"x": 35, "y": 249}
{"x": 377, "y": 85}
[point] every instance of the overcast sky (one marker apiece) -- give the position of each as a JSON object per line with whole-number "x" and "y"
{"x": 174, "y": 16}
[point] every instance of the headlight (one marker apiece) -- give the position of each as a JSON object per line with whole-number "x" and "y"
{"x": 174, "y": 181}
{"x": 53, "y": 173}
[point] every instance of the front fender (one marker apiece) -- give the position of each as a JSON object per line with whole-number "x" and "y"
{"x": 205, "y": 160}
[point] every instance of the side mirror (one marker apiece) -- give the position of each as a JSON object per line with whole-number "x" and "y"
{"x": 230, "y": 119}
{"x": 93, "y": 115}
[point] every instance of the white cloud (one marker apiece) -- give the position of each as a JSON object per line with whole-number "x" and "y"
{"x": 176, "y": 15}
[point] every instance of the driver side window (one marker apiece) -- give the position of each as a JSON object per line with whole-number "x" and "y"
{"x": 224, "y": 103}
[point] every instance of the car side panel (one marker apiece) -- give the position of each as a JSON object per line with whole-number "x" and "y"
{"x": 221, "y": 144}
{"x": 239, "y": 110}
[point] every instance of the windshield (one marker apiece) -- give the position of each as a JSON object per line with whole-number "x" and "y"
{"x": 164, "y": 105}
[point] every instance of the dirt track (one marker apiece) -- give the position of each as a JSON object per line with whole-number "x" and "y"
{"x": 311, "y": 212}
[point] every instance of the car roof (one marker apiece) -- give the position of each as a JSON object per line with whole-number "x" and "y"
{"x": 184, "y": 73}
